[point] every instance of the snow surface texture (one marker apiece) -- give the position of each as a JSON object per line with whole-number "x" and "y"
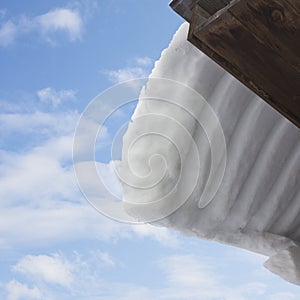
{"x": 257, "y": 204}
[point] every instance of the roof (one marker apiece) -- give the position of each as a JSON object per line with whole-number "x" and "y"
{"x": 185, "y": 7}
{"x": 257, "y": 41}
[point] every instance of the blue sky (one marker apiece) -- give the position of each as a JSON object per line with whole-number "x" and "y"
{"x": 55, "y": 57}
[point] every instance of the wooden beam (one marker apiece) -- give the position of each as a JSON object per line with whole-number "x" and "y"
{"x": 208, "y": 7}
{"x": 258, "y": 42}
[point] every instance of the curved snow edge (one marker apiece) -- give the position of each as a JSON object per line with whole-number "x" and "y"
{"x": 286, "y": 264}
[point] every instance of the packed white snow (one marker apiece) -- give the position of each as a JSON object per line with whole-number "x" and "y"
{"x": 257, "y": 204}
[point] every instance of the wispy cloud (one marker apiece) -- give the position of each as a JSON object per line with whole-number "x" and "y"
{"x": 144, "y": 61}
{"x": 37, "y": 183}
{"x": 55, "y": 98}
{"x": 140, "y": 68}
{"x": 60, "y": 19}
{"x": 40, "y": 186}
{"x": 106, "y": 258}
{"x": 68, "y": 22}
{"x": 192, "y": 277}
{"x": 283, "y": 295}
{"x": 17, "y": 290}
{"x": 8, "y": 32}
{"x": 81, "y": 276}
{"x": 188, "y": 271}
{"x": 121, "y": 75}
{"x": 160, "y": 234}
{"x": 53, "y": 269}
{"x": 53, "y": 276}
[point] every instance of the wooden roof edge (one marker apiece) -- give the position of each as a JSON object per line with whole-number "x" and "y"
{"x": 183, "y": 8}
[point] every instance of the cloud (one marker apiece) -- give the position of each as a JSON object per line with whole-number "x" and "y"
{"x": 16, "y": 290}
{"x": 41, "y": 204}
{"x": 283, "y": 295}
{"x": 60, "y": 19}
{"x": 68, "y": 22}
{"x": 192, "y": 277}
{"x": 37, "y": 183}
{"x": 186, "y": 271}
{"x": 164, "y": 236}
{"x": 81, "y": 276}
{"x": 8, "y": 32}
{"x": 58, "y": 224}
{"x": 40, "y": 186}
{"x": 55, "y": 276}
{"x": 126, "y": 74}
{"x": 139, "y": 69}
{"x": 53, "y": 269}
{"x": 38, "y": 123}
{"x": 55, "y": 98}
{"x": 144, "y": 61}
{"x": 106, "y": 258}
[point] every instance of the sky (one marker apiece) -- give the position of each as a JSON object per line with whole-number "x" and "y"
{"x": 55, "y": 57}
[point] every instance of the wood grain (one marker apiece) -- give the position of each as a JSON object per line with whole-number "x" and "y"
{"x": 258, "y": 41}
{"x": 275, "y": 23}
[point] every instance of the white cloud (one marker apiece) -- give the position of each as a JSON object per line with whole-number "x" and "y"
{"x": 50, "y": 95}
{"x": 61, "y": 19}
{"x": 41, "y": 174}
{"x": 192, "y": 277}
{"x": 58, "y": 20}
{"x": 160, "y": 234}
{"x": 185, "y": 277}
{"x": 44, "y": 172}
{"x": 186, "y": 271}
{"x": 56, "y": 277}
{"x": 17, "y": 290}
{"x": 58, "y": 224}
{"x": 8, "y": 33}
{"x": 144, "y": 61}
{"x": 281, "y": 296}
{"x": 41, "y": 204}
{"x": 38, "y": 184}
{"x": 53, "y": 269}
{"x": 109, "y": 178}
{"x": 106, "y": 258}
{"x": 38, "y": 123}
{"x": 126, "y": 74}
{"x": 139, "y": 69}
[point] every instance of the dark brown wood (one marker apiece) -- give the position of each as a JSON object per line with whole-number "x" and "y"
{"x": 208, "y": 7}
{"x": 257, "y": 41}
{"x": 278, "y": 25}
{"x": 212, "y": 6}
{"x": 295, "y": 4}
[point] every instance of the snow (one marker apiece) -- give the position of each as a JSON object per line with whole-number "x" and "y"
{"x": 205, "y": 156}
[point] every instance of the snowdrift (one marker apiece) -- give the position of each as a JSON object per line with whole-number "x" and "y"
{"x": 217, "y": 162}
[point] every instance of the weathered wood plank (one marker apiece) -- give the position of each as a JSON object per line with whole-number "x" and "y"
{"x": 258, "y": 42}
{"x": 275, "y": 23}
{"x": 252, "y": 62}
{"x": 295, "y": 4}
{"x": 212, "y": 6}
{"x": 223, "y": 62}
{"x": 183, "y": 8}
{"x": 208, "y": 7}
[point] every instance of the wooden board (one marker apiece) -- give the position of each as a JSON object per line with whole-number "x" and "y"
{"x": 257, "y": 41}
{"x": 208, "y": 7}
{"x": 212, "y": 6}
